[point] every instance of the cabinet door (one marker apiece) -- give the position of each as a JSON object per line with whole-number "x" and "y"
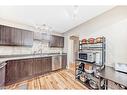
{"x": 61, "y": 40}
{"x": 64, "y": 61}
{"x": 2, "y": 35}
{"x": 52, "y": 42}
{"x": 12, "y": 72}
{"x": 41, "y": 65}
{"x": 48, "y": 64}
{"x": 24, "y": 68}
{"x": 56, "y": 41}
{"x": 16, "y": 35}
{"x": 5, "y": 35}
{"x": 38, "y": 66}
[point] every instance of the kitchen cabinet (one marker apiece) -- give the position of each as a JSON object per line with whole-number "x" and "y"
{"x": 56, "y": 41}
{"x": 41, "y": 65}
{"x": 25, "y": 68}
{"x": 12, "y": 71}
{"x": 5, "y": 37}
{"x": 61, "y": 42}
{"x": 10, "y": 36}
{"x": 47, "y": 64}
{"x": 64, "y": 61}
{"x": 16, "y": 37}
{"x": 17, "y": 70}
{"x": 37, "y": 66}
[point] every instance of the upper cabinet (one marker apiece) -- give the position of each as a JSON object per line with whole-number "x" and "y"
{"x": 56, "y": 41}
{"x": 5, "y": 36}
{"x": 15, "y": 37}
{"x": 10, "y": 36}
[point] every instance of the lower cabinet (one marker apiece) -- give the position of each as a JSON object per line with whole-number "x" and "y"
{"x": 17, "y": 70}
{"x": 12, "y": 71}
{"x": 41, "y": 65}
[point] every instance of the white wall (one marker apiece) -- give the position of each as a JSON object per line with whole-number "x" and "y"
{"x": 111, "y": 24}
{"x": 9, "y": 50}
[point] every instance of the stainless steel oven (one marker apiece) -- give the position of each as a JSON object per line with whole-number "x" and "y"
{"x": 2, "y": 74}
{"x": 56, "y": 62}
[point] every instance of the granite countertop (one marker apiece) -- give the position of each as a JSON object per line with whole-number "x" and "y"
{"x": 4, "y": 58}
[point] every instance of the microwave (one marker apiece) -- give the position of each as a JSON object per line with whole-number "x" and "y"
{"x": 88, "y": 56}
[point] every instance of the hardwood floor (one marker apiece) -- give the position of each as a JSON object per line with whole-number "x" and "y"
{"x": 61, "y": 79}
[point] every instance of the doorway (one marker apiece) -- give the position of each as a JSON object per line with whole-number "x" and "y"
{"x": 74, "y": 51}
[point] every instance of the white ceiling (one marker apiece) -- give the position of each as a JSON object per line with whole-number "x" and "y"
{"x": 60, "y": 18}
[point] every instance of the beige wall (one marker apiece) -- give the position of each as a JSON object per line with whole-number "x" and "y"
{"x": 9, "y": 50}
{"x": 111, "y": 24}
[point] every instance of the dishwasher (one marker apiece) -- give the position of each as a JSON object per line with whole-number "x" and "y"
{"x": 2, "y": 74}
{"x": 56, "y": 62}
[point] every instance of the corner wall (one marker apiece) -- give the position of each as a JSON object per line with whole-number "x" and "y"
{"x": 111, "y": 24}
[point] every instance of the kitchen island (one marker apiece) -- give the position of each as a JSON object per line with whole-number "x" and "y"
{"x": 22, "y": 67}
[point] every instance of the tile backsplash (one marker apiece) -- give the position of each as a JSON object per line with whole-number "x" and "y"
{"x": 37, "y": 45}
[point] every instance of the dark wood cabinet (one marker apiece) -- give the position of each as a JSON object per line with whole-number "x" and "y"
{"x": 10, "y": 36}
{"x": 64, "y": 61}
{"x": 48, "y": 64}
{"x": 16, "y": 37}
{"x": 12, "y": 71}
{"x": 24, "y": 68}
{"x": 17, "y": 70}
{"x": 56, "y": 41}
{"x": 5, "y": 37}
{"x": 61, "y": 42}
{"x": 41, "y": 65}
{"x": 37, "y": 66}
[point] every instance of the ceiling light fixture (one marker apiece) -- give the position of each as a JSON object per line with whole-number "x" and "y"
{"x": 43, "y": 28}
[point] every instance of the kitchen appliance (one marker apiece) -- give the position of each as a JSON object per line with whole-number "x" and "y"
{"x": 87, "y": 56}
{"x": 121, "y": 67}
{"x": 2, "y": 74}
{"x": 56, "y": 62}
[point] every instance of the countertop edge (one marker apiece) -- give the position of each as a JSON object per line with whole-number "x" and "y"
{"x": 5, "y": 59}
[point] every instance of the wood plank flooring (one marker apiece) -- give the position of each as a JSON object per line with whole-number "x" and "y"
{"x": 61, "y": 79}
